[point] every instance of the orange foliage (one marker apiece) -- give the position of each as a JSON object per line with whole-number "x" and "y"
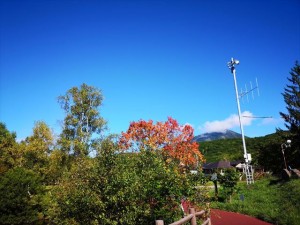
{"x": 172, "y": 139}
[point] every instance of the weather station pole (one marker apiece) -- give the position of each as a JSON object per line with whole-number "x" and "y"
{"x": 248, "y": 168}
{"x": 284, "y": 146}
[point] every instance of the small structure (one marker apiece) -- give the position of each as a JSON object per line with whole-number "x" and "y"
{"x": 212, "y": 167}
{"x": 209, "y": 168}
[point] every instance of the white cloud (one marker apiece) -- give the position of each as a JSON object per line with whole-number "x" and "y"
{"x": 231, "y": 122}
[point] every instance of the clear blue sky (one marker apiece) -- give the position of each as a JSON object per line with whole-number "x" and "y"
{"x": 151, "y": 59}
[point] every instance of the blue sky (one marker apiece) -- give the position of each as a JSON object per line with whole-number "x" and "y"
{"x": 151, "y": 59}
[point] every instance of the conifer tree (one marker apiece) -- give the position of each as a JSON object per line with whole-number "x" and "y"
{"x": 291, "y": 97}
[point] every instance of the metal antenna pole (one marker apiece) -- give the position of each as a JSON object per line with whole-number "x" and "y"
{"x": 248, "y": 169}
{"x": 240, "y": 118}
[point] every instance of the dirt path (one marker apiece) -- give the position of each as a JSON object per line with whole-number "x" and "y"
{"x": 219, "y": 217}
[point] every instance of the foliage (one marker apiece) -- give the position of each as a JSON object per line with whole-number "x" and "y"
{"x": 121, "y": 188}
{"x": 116, "y": 184}
{"x": 114, "y": 187}
{"x": 269, "y": 156}
{"x": 8, "y": 149}
{"x": 161, "y": 187}
{"x": 21, "y": 196}
{"x": 100, "y": 190}
{"x": 291, "y": 97}
{"x": 74, "y": 201}
{"x": 268, "y": 199}
{"x": 228, "y": 182}
{"x": 266, "y": 151}
{"x": 226, "y": 149}
{"x": 173, "y": 140}
{"x": 82, "y": 119}
{"x": 36, "y": 148}
{"x": 57, "y": 165}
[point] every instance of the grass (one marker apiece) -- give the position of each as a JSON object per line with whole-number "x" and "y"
{"x": 268, "y": 199}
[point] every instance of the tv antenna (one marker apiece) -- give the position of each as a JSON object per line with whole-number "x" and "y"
{"x": 247, "y": 168}
{"x": 251, "y": 90}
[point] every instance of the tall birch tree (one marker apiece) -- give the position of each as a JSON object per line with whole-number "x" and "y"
{"x": 83, "y": 123}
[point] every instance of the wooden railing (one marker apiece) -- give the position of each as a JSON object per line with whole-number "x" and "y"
{"x": 192, "y": 218}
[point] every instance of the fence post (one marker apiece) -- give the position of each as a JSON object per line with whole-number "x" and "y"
{"x": 193, "y": 220}
{"x": 159, "y": 222}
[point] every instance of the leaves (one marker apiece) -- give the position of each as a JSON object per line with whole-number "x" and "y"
{"x": 82, "y": 119}
{"x": 113, "y": 187}
{"x": 20, "y": 201}
{"x": 8, "y": 149}
{"x": 169, "y": 137}
{"x": 291, "y": 97}
{"x": 228, "y": 181}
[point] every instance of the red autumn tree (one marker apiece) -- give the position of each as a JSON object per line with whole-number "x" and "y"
{"x": 172, "y": 139}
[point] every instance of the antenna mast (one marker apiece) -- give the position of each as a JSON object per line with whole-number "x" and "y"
{"x": 248, "y": 168}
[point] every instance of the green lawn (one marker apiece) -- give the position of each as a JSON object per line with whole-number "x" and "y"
{"x": 269, "y": 199}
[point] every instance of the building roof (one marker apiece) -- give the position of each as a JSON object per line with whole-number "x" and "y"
{"x": 217, "y": 165}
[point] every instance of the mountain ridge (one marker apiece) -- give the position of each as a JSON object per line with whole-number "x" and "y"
{"x": 211, "y": 136}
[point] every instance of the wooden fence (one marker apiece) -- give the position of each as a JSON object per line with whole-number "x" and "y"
{"x": 192, "y": 218}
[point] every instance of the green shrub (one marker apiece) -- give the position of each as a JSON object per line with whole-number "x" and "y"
{"x": 120, "y": 188}
{"x": 228, "y": 182}
{"x": 21, "y": 197}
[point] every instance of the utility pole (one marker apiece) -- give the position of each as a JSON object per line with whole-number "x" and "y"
{"x": 248, "y": 168}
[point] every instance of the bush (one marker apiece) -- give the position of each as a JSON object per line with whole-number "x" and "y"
{"x": 228, "y": 182}
{"x": 121, "y": 188}
{"x": 21, "y": 197}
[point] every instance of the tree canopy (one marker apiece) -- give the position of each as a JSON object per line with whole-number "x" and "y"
{"x": 291, "y": 96}
{"x": 172, "y": 139}
{"x": 8, "y": 151}
{"x": 82, "y": 120}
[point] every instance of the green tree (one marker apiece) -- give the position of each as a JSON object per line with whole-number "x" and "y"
{"x": 268, "y": 156}
{"x": 120, "y": 188}
{"x": 82, "y": 121}
{"x": 57, "y": 165}
{"x": 291, "y": 97}
{"x": 161, "y": 187}
{"x": 74, "y": 198}
{"x": 37, "y": 147}
{"x": 21, "y": 197}
{"x": 95, "y": 190}
{"x": 8, "y": 149}
{"x": 228, "y": 182}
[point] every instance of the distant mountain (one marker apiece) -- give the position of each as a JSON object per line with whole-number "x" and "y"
{"x": 227, "y": 134}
